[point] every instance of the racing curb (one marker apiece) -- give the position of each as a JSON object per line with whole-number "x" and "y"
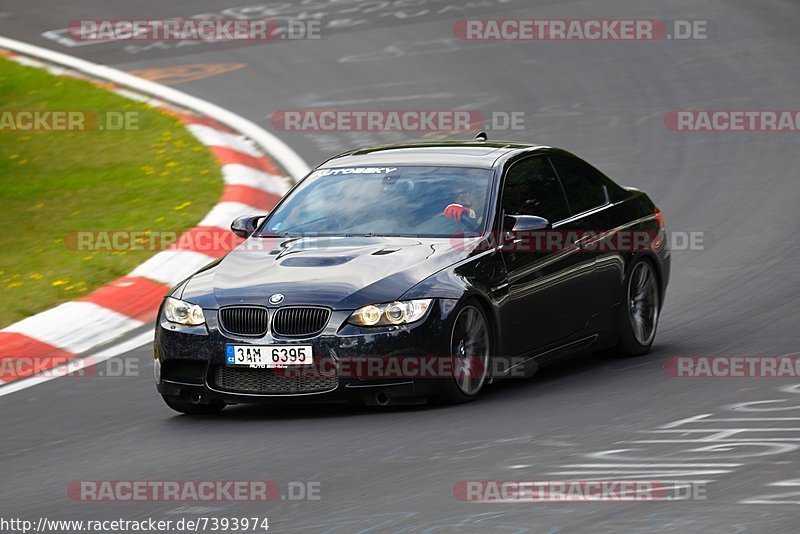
{"x": 253, "y": 180}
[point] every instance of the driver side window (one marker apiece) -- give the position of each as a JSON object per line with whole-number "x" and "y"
{"x": 532, "y": 188}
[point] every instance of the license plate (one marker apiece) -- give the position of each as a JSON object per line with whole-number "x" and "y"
{"x": 268, "y": 356}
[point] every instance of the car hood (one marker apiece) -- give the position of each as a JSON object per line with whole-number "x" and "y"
{"x": 340, "y": 272}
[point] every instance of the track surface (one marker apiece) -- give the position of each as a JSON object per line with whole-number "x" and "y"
{"x": 394, "y": 469}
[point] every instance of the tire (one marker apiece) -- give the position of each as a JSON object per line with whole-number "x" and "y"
{"x": 470, "y": 351}
{"x": 188, "y": 407}
{"x": 638, "y": 319}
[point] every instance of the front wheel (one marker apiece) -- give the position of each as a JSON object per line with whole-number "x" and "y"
{"x": 470, "y": 347}
{"x": 639, "y": 315}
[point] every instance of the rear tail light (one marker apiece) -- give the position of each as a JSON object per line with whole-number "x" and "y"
{"x": 659, "y": 219}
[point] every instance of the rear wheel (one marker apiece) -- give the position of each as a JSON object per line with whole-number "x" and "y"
{"x": 190, "y": 408}
{"x": 638, "y": 320}
{"x": 470, "y": 347}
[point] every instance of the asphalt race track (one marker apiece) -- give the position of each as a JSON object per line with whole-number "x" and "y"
{"x": 393, "y": 469}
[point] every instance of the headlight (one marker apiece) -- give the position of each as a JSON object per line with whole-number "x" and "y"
{"x": 178, "y": 311}
{"x": 393, "y": 313}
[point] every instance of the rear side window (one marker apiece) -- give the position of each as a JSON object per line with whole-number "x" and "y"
{"x": 584, "y": 189}
{"x": 532, "y": 188}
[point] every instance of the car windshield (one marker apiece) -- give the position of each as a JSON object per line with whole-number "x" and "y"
{"x": 387, "y": 201}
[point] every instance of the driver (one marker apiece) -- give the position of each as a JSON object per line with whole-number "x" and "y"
{"x": 462, "y": 207}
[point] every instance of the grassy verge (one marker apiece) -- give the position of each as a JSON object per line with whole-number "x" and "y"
{"x": 55, "y": 183}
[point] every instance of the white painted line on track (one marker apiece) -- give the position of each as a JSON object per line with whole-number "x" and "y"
{"x": 714, "y": 440}
{"x": 752, "y": 419}
{"x": 676, "y": 465}
{"x": 692, "y": 419}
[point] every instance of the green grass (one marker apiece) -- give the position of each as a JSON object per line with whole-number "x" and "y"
{"x": 52, "y": 184}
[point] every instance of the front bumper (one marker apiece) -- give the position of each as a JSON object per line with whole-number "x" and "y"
{"x": 190, "y": 362}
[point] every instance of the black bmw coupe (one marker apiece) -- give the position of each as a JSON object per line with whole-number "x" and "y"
{"x": 404, "y": 273}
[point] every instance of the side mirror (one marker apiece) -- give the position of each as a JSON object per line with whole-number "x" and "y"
{"x": 520, "y": 224}
{"x": 245, "y": 226}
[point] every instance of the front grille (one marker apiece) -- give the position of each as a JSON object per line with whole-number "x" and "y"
{"x": 271, "y": 381}
{"x": 300, "y": 321}
{"x": 244, "y": 320}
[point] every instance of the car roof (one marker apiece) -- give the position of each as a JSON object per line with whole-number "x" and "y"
{"x": 479, "y": 154}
